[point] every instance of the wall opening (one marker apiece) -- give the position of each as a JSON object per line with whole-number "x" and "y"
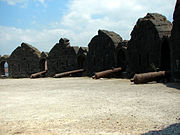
{"x": 165, "y": 56}
{"x": 43, "y": 64}
{"x": 4, "y": 68}
{"x": 121, "y": 59}
{"x": 81, "y": 60}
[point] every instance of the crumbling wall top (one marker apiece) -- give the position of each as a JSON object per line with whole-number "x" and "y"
{"x": 44, "y": 54}
{"x": 25, "y": 47}
{"x": 116, "y": 39}
{"x": 76, "y": 49}
{"x": 28, "y": 46}
{"x": 64, "y": 42}
{"x": 4, "y": 58}
{"x": 160, "y": 23}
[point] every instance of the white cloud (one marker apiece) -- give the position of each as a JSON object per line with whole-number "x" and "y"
{"x": 82, "y": 20}
{"x": 44, "y": 40}
{"x": 117, "y": 15}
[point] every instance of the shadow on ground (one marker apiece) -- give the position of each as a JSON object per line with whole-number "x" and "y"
{"x": 173, "y": 85}
{"x": 173, "y": 129}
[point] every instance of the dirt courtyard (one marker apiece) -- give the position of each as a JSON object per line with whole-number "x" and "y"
{"x": 83, "y": 106}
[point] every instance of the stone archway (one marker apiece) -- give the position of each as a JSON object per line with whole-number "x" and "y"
{"x": 4, "y": 68}
{"x": 121, "y": 58}
{"x": 81, "y": 60}
{"x": 165, "y": 56}
{"x": 43, "y": 64}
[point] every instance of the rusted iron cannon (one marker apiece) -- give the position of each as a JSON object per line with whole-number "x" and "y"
{"x": 149, "y": 77}
{"x": 39, "y": 74}
{"x": 69, "y": 73}
{"x": 106, "y": 73}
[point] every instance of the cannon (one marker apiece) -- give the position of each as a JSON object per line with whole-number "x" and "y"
{"x": 69, "y": 73}
{"x": 39, "y": 74}
{"x": 149, "y": 77}
{"x": 106, "y": 73}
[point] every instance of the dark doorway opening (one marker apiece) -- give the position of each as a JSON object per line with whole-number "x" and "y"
{"x": 165, "y": 56}
{"x": 81, "y": 60}
{"x": 121, "y": 59}
{"x": 43, "y": 64}
{"x": 4, "y": 68}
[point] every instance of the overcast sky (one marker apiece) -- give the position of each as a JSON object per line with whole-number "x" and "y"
{"x": 43, "y": 22}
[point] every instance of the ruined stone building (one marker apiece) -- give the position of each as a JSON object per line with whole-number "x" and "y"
{"x": 121, "y": 54}
{"x": 24, "y": 61}
{"x": 154, "y": 45}
{"x": 81, "y": 57}
{"x": 105, "y": 52}
{"x": 64, "y": 57}
{"x": 149, "y": 46}
{"x": 3, "y": 60}
{"x": 175, "y": 40}
{"x": 43, "y": 61}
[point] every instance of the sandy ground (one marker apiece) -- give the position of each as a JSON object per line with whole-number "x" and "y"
{"x": 83, "y": 106}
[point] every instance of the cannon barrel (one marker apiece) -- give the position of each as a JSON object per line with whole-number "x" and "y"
{"x": 106, "y": 73}
{"x": 69, "y": 73}
{"x": 39, "y": 74}
{"x": 148, "y": 77}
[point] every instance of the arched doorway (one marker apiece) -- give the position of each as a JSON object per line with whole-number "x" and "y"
{"x": 121, "y": 58}
{"x": 43, "y": 64}
{"x": 4, "y": 68}
{"x": 81, "y": 60}
{"x": 165, "y": 56}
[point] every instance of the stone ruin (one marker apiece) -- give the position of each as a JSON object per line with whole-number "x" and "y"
{"x": 103, "y": 53}
{"x": 149, "y": 46}
{"x": 43, "y": 61}
{"x": 24, "y": 61}
{"x": 121, "y": 54}
{"x": 64, "y": 57}
{"x": 82, "y": 56}
{"x": 154, "y": 45}
{"x": 175, "y": 43}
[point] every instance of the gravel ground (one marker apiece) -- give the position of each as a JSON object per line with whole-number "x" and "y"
{"x": 83, "y": 106}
